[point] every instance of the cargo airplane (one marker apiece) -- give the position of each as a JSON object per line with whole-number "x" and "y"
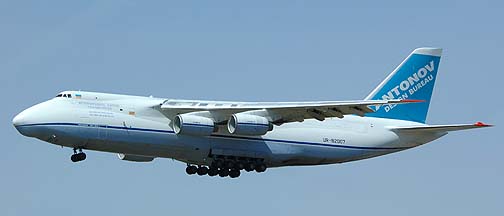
{"x": 226, "y": 138}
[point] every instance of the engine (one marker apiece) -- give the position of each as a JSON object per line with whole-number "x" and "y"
{"x": 246, "y": 124}
{"x": 135, "y": 158}
{"x": 193, "y": 125}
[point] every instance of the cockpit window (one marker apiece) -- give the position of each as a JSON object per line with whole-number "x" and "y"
{"x": 64, "y": 95}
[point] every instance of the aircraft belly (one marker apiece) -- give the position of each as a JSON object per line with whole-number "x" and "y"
{"x": 280, "y": 147}
{"x": 158, "y": 144}
{"x": 307, "y": 146}
{"x": 110, "y": 139}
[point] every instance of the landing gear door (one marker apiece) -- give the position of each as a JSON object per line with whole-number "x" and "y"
{"x": 196, "y": 147}
{"x": 250, "y": 148}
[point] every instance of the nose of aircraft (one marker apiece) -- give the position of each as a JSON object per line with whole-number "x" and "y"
{"x": 22, "y": 120}
{"x": 17, "y": 120}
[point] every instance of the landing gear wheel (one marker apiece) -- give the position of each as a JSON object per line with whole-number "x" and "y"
{"x": 223, "y": 172}
{"x": 234, "y": 173}
{"x": 81, "y": 156}
{"x": 230, "y": 164}
{"x": 191, "y": 170}
{"x": 202, "y": 170}
{"x": 76, "y": 157}
{"x": 249, "y": 167}
{"x": 213, "y": 171}
{"x": 260, "y": 168}
{"x": 240, "y": 166}
{"x": 218, "y": 163}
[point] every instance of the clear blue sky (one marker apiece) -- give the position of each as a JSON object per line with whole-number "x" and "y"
{"x": 252, "y": 50}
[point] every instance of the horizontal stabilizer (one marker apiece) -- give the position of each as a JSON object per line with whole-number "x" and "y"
{"x": 439, "y": 128}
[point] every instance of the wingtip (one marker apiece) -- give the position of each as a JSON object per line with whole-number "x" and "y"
{"x": 481, "y": 124}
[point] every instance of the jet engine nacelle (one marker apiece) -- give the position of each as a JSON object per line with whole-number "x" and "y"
{"x": 193, "y": 125}
{"x": 135, "y": 158}
{"x": 246, "y": 124}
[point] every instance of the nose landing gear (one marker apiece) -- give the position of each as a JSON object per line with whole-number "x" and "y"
{"x": 80, "y": 156}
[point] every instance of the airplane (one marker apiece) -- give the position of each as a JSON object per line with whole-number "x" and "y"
{"x": 225, "y": 138}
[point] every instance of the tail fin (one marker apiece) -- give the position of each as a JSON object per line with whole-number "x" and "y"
{"x": 413, "y": 79}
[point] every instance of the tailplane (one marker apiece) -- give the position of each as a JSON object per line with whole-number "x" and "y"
{"x": 439, "y": 128}
{"x": 414, "y": 78}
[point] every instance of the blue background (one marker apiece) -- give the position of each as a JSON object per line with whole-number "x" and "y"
{"x": 252, "y": 51}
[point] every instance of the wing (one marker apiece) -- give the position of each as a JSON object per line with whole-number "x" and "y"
{"x": 276, "y": 113}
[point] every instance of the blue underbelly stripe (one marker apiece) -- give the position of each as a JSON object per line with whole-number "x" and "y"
{"x": 45, "y": 124}
{"x": 222, "y": 136}
{"x": 140, "y": 129}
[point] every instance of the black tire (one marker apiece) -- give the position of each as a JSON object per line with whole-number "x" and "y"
{"x": 191, "y": 170}
{"x": 249, "y": 167}
{"x": 218, "y": 163}
{"x": 234, "y": 173}
{"x": 202, "y": 170}
{"x": 240, "y": 165}
{"x": 260, "y": 168}
{"x": 213, "y": 171}
{"x": 194, "y": 169}
{"x": 230, "y": 164}
{"x": 223, "y": 172}
{"x": 188, "y": 170}
{"x": 81, "y": 156}
{"x": 74, "y": 158}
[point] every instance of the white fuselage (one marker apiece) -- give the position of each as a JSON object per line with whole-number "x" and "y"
{"x": 133, "y": 125}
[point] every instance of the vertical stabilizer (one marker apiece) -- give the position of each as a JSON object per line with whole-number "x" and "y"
{"x": 414, "y": 78}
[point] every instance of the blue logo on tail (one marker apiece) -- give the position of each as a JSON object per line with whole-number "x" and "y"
{"x": 413, "y": 79}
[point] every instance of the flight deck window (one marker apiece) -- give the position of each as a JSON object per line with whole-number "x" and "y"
{"x": 58, "y": 95}
{"x": 69, "y": 95}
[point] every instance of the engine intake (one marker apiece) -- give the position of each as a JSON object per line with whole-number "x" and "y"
{"x": 246, "y": 124}
{"x": 193, "y": 125}
{"x": 135, "y": 158}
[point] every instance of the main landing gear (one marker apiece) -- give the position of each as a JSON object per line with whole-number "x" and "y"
{"x": 76, "y": 157}
{"x": 227, "y": 167}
